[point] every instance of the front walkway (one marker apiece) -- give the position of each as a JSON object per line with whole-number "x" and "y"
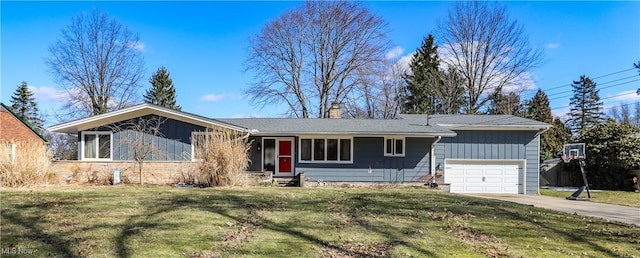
{"x": 611, "y": 212}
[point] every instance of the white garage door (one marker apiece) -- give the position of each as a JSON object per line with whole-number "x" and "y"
{"x": 483, "y": 176}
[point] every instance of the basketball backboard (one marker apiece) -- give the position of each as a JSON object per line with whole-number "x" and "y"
{"x": 574, "y": 151}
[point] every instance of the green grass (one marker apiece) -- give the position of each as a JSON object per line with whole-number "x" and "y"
{"x": 611, "y": 197}
{"x": 296, "y": 222}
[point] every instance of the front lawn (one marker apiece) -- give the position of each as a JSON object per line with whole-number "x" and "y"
{"x": 296, "y": 222}
{"x": 611, "y": 197}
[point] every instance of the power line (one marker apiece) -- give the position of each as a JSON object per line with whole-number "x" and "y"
{"x": 566, "y": 85}
{"x": 568, "y": 91}
{"x": 614, "y": 96}
{"x": 611, "y": 86}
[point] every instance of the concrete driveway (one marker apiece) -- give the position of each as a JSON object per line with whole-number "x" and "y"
{"x": 611, "y": 212}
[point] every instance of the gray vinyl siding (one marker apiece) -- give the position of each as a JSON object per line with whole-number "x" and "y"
{"x": 368, "y": 155}
{"x": 174, "y": 143}
{"x": 533, "y": 166}
{"x": 255, "y": 156}
{"x": 494, "y": 145}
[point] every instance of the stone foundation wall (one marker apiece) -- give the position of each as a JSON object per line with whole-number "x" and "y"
{"x": 101, "y": 172}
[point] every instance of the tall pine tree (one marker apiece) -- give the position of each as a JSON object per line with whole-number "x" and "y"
{"x": 553, "y": 140}
{"x": 424, "y": 68}
{"x": 539, "y": 109}
{"x": 162, "y": 91}
{"x": 24, "y": 105}
{"x": 586, "y": 107}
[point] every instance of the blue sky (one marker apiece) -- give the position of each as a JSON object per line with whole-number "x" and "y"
{"x": 203, "y": 45}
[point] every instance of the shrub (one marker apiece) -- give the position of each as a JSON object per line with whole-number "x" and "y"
{"x": 222, "y": 158}
{"x": 30, "y": 165}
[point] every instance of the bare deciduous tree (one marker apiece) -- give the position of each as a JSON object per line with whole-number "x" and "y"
{"x": 309, "y": 57}
{"x": 487, "y": 48}
{"x": 448, "y": 91}
{"x": 138, "y": 139}
{"x": 377, "y": 95}
{"x": 636, "y": 112}
{"x": 63, "y": 146}
{"x": 98, "y": 62}
{"x": 621, "y": 115}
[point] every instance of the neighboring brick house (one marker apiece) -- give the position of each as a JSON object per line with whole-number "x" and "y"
{"x": 14, "y": 130}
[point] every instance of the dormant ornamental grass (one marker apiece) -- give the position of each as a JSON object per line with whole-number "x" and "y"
{"x": 223, "y": 158}
{"x": 24, "y": 164}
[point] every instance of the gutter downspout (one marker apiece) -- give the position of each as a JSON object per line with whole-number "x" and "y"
{"x": 541, "y": 132}
{"x": 433, "y": 157}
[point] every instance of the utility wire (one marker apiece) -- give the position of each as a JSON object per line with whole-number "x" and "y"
{"x": 598, "y": 84}
{"x": 614, "y": 96}
{"x": 566, "y": 85}
{"x": 610, "y": 86}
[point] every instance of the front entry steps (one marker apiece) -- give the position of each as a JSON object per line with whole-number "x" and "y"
{"x": 285, "y": 181}
{"x": 296, "y": 181}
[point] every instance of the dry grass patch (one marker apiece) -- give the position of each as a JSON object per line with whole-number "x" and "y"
{"x": 25, "y": 164}
{"x": 223, "y": 157}
{"x": 125, "y": 221}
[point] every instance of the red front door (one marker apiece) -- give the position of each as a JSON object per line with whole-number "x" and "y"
{"x": 285, "y": 157}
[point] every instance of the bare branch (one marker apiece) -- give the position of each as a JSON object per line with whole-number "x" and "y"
{"x": 487, "y": 48}
{"x": 308, "y": 57}
{"x": 97, "y": 62}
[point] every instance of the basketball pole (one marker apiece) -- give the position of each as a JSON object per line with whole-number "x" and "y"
{"x": 584, "y": 176}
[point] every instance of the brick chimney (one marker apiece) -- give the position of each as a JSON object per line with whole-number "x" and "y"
{"x": 334, "y": 111}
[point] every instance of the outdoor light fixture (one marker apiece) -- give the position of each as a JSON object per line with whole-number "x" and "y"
{"x": 259, "y": 146}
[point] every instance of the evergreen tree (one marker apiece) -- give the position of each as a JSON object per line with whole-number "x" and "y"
{"x": 162, "y": 91}
{"x": 539, "y": 109}
{"x": 586, "y": 107}
{"x": 24, "y": 105}
{"x": 553, "y": 140}
{"x": 418, "y": 92}
{"x": 612, "y": 148}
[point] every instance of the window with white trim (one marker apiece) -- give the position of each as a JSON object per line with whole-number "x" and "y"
{"x": 325, "y": 150}
{"x": 96, "y": 145}
{"x": 10, "y": 151}
{"x": 394, "y": 147}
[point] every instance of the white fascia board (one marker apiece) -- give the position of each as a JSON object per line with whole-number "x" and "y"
{"x": 495, "y": 127}
{"x": 137, "y": 111}
{"x": 356, "y": 134}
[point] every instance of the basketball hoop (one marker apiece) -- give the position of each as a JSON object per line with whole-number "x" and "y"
{"x": 567, "y": 158}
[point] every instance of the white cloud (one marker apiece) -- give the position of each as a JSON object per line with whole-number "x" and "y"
{"x": 561, "y": 112}
{"x": 628, "y": 96}
{"x": 137, "y": 46}
{"x": 393, "y": 53}
{"x": 523, "y": 83}
{"x": 552, "y": 45}
{"x": 48, "y": 94}
{"x": 218, "y": 97}
{"x": 211, "y": 97}
{"x": 404, "y": 62}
